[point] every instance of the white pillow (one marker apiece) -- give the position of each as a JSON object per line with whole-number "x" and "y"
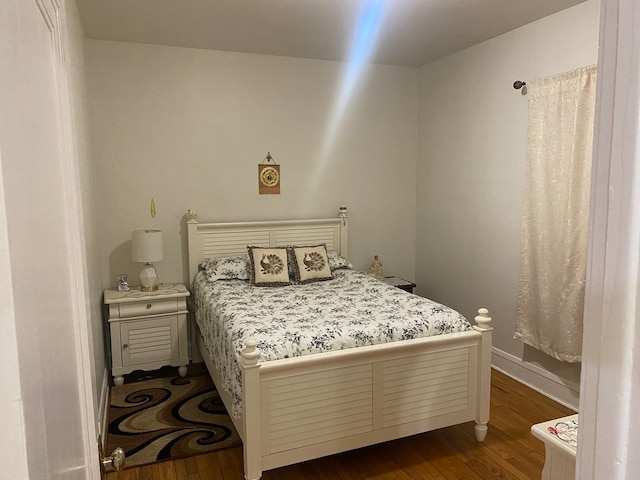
{"x": 336, "y": 261}
{"x": 227, "y": 268}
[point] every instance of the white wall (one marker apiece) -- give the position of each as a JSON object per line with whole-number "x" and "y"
{"x": 472, "y": 133}
{"x": 188, "y": 127}
{"x": 13, "y": 446}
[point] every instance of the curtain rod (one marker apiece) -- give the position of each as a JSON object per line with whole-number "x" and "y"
{"x": 519, "y": 84}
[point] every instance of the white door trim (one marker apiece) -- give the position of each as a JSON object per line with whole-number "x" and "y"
{"x": 54, "y": 14}
{"x": 608, "y": 434}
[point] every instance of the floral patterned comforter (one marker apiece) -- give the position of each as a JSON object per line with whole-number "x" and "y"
{"x": 352, "y": 310}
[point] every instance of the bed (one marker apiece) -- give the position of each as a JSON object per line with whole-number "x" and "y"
{"x": 299, "y": 407}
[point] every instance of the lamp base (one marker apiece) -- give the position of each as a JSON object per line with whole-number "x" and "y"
{"x": 149, "y": 278}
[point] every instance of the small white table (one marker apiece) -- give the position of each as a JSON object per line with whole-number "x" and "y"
{"x": 148, "y": 329}
{"x": 560, "y": 437}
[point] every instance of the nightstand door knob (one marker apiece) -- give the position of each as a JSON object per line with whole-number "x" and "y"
{"x": 148, "y": 306}
{"x": 125, "y": 346}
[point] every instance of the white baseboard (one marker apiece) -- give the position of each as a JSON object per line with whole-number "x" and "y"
{"x": 556, "y": 388}
{"x": 103, "y": 408}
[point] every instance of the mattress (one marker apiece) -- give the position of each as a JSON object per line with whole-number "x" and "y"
{"x": 351, "y": 310}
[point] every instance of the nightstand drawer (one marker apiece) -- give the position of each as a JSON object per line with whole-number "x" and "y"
{"x": 155, "y": 307}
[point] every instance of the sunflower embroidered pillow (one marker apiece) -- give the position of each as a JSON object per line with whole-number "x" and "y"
{"x": 310, "y": 263}
{"x": 269, "y": 266}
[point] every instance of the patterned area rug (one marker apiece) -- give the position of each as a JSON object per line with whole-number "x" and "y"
{"x": 164, "y": 418}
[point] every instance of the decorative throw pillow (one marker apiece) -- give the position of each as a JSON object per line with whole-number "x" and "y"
{"x": 310, "y": 263}
{"x": 269, "y": 266}
{"x": 227, "y": 268}
{"x": 336, "y": 261}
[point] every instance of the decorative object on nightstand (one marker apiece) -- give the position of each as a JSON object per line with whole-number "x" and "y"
{"x": 148, "y": 329}
{"x": 376, "y": 268}
{"x": 400, "y": 283}
{"x": 146, "y": 247}
{"x": 123, "y": 283}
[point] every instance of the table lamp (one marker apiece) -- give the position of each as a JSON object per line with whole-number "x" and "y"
{"x": 146, "y": 246}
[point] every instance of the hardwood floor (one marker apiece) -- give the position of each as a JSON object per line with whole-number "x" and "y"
{"x": 509, "y": 451}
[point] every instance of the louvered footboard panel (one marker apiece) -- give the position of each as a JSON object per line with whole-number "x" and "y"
{"x": 319, "y": 407}
{"x": 425, "y": 386}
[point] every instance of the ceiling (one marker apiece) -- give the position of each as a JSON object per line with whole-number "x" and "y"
{"x": 412, "y": 32}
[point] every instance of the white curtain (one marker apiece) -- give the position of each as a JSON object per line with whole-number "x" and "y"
{"x": 553, "y": 253}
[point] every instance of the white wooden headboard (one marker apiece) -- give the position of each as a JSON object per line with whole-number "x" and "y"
{"x": 209, "y": 240}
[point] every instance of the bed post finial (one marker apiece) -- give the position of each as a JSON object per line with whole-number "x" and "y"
{"x": 483, "y": 320}
{"x": 343, "y": 213}
{"x": 191, "y": 215}
{"x": 250, "y": 353}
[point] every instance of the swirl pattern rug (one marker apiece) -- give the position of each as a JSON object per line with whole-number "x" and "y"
{"x": 165, "y": 418}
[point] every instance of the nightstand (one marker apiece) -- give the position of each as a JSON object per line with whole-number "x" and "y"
{"x": 401, "y": 283}
{"x": 560, "y": 437}
{"x": 148, "y": 329}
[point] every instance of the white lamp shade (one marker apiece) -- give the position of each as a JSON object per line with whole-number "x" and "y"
{"x": 146, "y": 246}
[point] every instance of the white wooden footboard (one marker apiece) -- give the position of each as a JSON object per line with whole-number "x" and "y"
{"x": 308, "y": 407}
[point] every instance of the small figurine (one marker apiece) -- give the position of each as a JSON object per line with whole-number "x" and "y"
{"x": 376, "y": 268}
{"x": 123, "y": 284}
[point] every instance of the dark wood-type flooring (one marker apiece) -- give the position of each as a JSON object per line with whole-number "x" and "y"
{"x": 509, "y": 451}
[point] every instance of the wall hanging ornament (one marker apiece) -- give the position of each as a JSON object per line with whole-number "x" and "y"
{"x": 268, "y": 176}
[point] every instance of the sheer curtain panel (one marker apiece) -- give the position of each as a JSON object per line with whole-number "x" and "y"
{"x": 553, "y": 253}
